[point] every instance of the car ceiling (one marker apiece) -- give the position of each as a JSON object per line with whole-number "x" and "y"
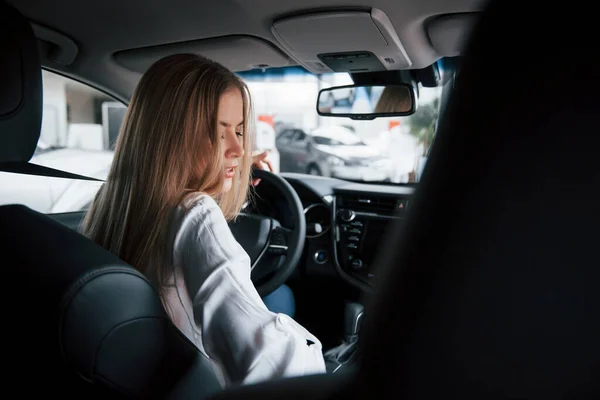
{"x": 101, "y": 29}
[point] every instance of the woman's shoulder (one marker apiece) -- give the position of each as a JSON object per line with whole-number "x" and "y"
{"x": 195, "y": 203}
{"x": 199, "y": 223}
{"x": 197, "y": 210}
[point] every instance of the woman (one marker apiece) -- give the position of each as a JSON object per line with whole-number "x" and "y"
{"x": 181, "y": 170}
{"x": 394, "y": 99}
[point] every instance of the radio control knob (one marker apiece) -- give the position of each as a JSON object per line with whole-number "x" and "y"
{"x": 357, "y": 263}
{"x": 347, "y": 215}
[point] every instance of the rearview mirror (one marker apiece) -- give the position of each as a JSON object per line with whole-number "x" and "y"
{"x": 367, "y": 102}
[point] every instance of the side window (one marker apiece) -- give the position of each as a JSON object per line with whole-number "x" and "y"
{"x": 299, "y": 138}
{"x": 323, "y": 140}
{"x": 79, "y": 126}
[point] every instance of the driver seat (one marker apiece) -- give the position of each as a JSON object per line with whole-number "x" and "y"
{"x": 79, "y": 322}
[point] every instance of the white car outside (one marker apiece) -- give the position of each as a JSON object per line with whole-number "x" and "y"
{"x": 56, "y": 195}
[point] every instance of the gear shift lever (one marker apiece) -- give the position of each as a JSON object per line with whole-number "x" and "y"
{"x": 343, "y": 354}
{"x": 352, "y": 319}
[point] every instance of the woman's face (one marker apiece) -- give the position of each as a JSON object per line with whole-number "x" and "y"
{"x": 230, "y": 120}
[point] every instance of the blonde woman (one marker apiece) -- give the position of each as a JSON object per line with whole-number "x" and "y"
{"x": 181, "y": 170}
{"x": 394, "y": 99}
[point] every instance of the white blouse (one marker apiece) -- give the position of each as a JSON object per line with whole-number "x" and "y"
{"x": 212, "y": 300}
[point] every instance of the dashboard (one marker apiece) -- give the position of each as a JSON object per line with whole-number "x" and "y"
{"x": 346, "y": 222}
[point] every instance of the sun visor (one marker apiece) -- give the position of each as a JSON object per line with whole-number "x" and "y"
{"x": 350, "y": 41}
{"x": 238, "y": 53}
{"x": 448, "y": 33}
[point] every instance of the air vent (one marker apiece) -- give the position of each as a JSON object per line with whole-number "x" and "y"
{"x": 372, "y": 204}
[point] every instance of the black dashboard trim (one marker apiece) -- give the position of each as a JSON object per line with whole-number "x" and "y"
{"x": 334, "y": 237}
{"x": 310, "y": 207}
{"x": 366, "y": 190}
{"x": 327, "y": 189}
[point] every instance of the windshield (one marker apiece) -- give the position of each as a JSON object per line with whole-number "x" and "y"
{"x": 80, "y": 126}
{"x": 389, "y": 149}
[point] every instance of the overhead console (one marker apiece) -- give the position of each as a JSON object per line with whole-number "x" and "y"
{"x": 361, "y": 222}
{"x": 348, "y": 41}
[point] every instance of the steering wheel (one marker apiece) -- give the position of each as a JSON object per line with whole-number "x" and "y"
{"x": 274, "y": 250}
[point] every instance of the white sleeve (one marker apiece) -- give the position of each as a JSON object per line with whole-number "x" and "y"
{"x": 249, "y": 342}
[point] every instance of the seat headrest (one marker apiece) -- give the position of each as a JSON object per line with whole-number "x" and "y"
{"x": 491, "y": 288}
{"x": 21, "y": 87}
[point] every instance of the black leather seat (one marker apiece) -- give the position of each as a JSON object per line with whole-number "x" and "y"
{"x": 78, "y": 322}
{"x": 491, "y": 290}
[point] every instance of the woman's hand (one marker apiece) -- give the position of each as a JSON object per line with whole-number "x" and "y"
{"x": 260, "y": 160}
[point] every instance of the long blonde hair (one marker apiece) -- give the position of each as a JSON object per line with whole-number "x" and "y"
{"x": 394, "y": 99}
{"x": 168, "y": 149}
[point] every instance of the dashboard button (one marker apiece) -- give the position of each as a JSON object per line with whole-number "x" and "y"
{"x": 278, "y": 238}
{"x": 321, "y": 256}
{"x": 357, "y": 264}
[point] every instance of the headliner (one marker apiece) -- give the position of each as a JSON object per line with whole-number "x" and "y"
{"x": 102, "y": 28}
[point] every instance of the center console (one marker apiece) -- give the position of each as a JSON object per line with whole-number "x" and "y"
{"x": 362, "y": 217}
{"x": 361, "y": 221}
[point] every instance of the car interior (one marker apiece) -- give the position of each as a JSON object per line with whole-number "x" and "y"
{"x": 478, "y": 281}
